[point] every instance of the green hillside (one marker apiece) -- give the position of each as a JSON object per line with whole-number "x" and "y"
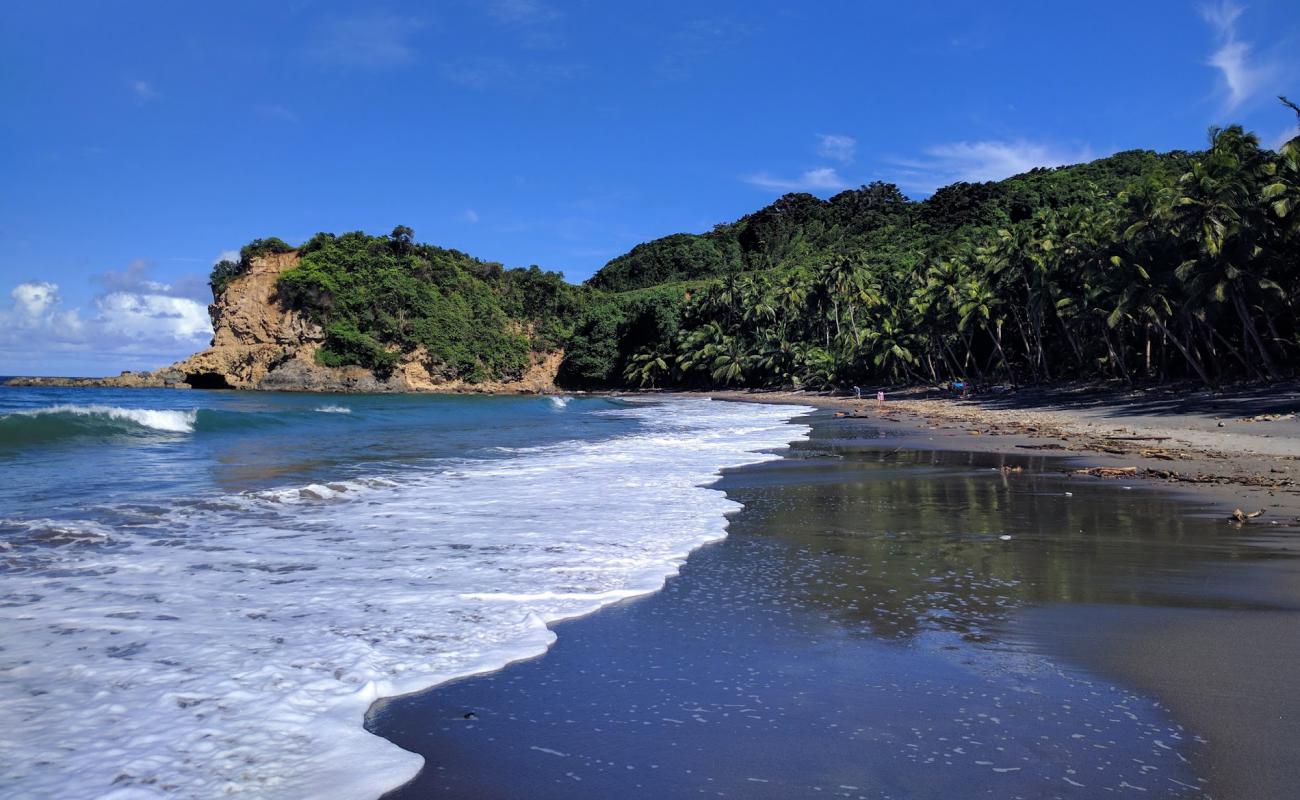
{"x": 1138, "y": 267}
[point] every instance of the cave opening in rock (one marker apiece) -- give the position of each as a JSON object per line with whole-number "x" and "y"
{"x": 207, "y": 380}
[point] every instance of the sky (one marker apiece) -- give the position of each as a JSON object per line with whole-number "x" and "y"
{"x": 142, "y": 141}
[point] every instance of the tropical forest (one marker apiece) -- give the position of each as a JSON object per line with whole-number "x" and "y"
{"x": 1140, "y": 267}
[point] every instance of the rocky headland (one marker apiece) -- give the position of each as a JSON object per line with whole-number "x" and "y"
{"x": 261, "y": 343}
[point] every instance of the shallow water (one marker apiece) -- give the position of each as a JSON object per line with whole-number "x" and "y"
{"x": 203, "y": 592}
{"x": 889, "y": 621}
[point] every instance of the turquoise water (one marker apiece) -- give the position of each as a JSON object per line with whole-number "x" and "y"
{"x": 203, "y": 592}
{"x": 84, "y": 445}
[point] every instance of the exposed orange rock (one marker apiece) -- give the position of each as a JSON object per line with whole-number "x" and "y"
{"x": 258, "y": 343}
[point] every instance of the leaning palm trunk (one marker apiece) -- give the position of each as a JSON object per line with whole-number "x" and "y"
{"x": 1115, "y": 359}
{"x": 1234, "y": 352}
{"x": 1190, "y": 357}
{"x": 1248, "y": 325}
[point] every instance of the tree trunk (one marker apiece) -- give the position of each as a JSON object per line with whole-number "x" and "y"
{"x": 1191, "y": 359}
{"x": 1249, "y": 324}
{"x": 1114, "y": 358}
{"x": 1250, "y": 368}
{"x": 1148, "y": 370}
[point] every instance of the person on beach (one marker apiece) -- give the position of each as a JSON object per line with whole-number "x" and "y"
{"x": 857, "y": 392}
{"x": 880, "y": 400}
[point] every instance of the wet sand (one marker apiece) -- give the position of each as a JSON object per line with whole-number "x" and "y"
{"x": 1237, "y": 447}
{"x": 865, "y": 631}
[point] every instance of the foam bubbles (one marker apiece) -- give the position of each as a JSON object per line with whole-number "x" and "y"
{"x": 233, "y": 645}
{"x": 171, "y": 421}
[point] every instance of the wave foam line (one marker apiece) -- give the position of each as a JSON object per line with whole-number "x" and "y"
{"x": 171, "y": 421}
{"x": 235, "y": 649}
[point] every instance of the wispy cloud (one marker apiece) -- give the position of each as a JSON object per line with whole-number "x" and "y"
{"x": 1285, "y": 136}
{"x": 469, "y": 215}
{"x": 521, "y": 11}
{"x": 535, "y": 23}
{"x": 480, "y": 72}
{"x": 837, "y": 147}
{"x": 274, "y": 111}
{"x": 693, "y": 42}
{"x": 974, "y": 162}
{"x": 137, "y": 278}
{"x": 1243, "y": 75}
{"x": 369, "y": 41}
{"x": 820, "y": 179}
{"x": 144, "y": 91}
{"x": 484, "y": 72}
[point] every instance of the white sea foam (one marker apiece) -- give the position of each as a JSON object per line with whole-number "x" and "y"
{"x": 333, "y": 409}
{"x": 233, "y": 646}
{"x": 559, "y": 400}
{"x": 172, "y": 421}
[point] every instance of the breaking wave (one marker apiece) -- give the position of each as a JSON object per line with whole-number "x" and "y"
{"x": 76, "y": 421}
{"x": 232, "y": 643}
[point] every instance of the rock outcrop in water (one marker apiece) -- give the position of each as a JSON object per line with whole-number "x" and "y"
{"x": 259, "y": 343}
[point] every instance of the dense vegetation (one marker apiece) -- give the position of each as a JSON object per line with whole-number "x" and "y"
{"x": 379, "y": 298}
{"x": 1140, "y": 266}
{"x": 1135, "y": 267}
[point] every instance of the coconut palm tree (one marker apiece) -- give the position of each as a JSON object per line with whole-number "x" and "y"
{"x": 647, "y": 367}
{"x": 1216, "y": 215}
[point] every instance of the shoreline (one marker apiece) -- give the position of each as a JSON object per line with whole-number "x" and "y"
{"x": 536, "y": 716}
{"x": 1251, "y": 465}
{"x": 1238, "y": 447}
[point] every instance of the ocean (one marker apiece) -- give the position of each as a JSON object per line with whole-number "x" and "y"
{"x": 203, "y": 592}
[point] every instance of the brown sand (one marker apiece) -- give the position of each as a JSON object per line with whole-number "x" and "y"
{"x": 1235, "y": 449}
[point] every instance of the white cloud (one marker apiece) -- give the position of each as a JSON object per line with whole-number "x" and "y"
{"x": 1242, "y": 79}
{"x": 820, "y": 179}
{"x": 837, "y": 147}
{"x": 369, "y": 41}
{"x": 145, "y": 326}
{"x": 34, "y": 298}
{"x": 143, "y": 90}
{"x": 152, "y": 316}
{"x": 975, "y": 162}
{"x": 470, "y": 215}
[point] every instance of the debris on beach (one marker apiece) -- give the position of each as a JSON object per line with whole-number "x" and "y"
{"x": 1108, "y": 472}
{"x": 1157, "y": 454}
{"x": 1239, "y": 516}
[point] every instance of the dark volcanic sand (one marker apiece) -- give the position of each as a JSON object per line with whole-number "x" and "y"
{"x": 864, "y": 632}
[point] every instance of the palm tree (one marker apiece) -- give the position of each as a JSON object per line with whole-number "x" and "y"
{"x": 646, "y": 367}
{"x": 1213, "y": 212}
{"x": 729, "y": 362}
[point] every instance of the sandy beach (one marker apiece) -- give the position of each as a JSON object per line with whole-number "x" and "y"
{"x": 1236, "y": 448}
{"x": 903, "y": 609}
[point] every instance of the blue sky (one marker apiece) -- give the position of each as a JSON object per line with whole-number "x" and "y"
{"x": 142, "y": 140}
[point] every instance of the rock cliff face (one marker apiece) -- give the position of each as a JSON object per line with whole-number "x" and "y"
{"x": 257, "y": 343}
{"x": 252, "y": 334}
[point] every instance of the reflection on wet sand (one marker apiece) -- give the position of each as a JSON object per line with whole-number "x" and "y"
{"x": 865, "y": 631}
